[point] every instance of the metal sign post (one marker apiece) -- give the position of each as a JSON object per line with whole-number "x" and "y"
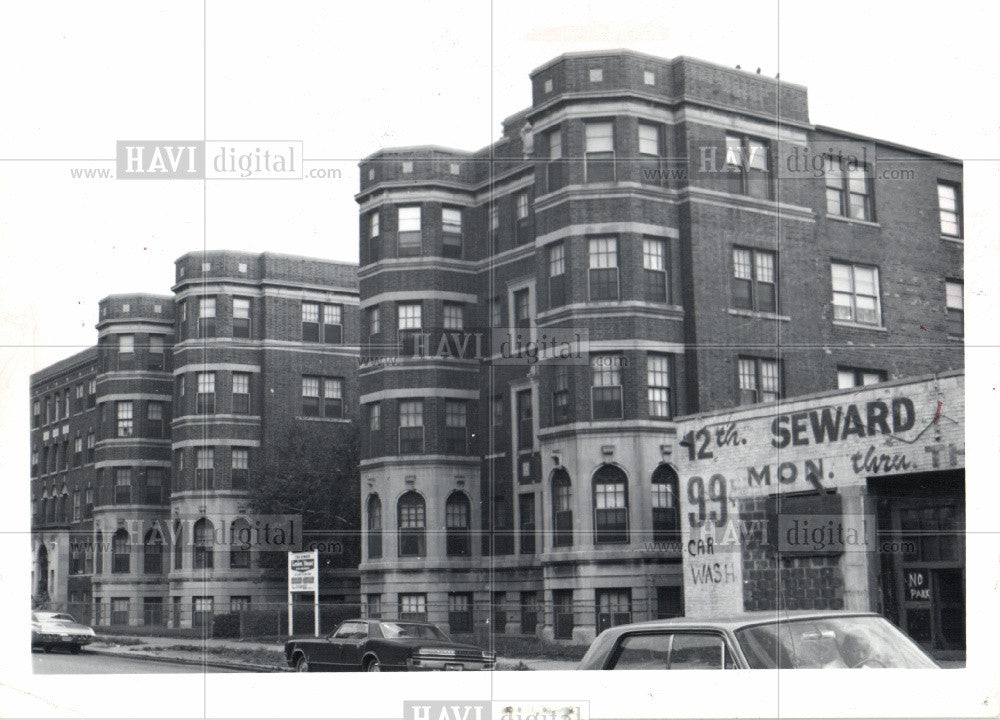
{"x": 303, "y": 576}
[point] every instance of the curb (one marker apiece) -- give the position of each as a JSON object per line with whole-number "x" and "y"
{"x": 244, "y": 667}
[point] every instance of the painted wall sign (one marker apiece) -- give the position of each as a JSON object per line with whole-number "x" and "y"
{"x": 814, "y": 445}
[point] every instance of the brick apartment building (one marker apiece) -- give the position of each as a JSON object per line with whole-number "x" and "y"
{"x": 709, "y": 245}
{"x": 143, "y": 447}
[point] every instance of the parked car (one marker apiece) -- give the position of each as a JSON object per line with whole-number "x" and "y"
{"x": 53, "y": 629}
{"x": 757, "y": 640}
{"x": 384, "y": 645}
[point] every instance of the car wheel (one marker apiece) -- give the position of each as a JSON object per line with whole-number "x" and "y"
{"x": 46, "y": 649}
{"x": 75, "y": 649}
{"x": 373, "y": 665}
{"x": 302, "y": 664}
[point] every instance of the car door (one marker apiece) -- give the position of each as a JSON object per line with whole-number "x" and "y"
{"x": 328, "y": 653}
{"x": 352, "y": 646}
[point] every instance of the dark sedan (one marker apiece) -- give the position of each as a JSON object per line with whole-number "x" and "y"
{"x": 758, "y": 640}
{"x": 384, "y": 645}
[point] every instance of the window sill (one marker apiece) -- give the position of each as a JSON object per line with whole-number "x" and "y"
{"x": 859, "y": 326}
{"x": 852, "y": 221}
{"x": 313, "y": 418}
{"x": 758, "y": 315}
{"x": 960, "y": 339}
{"x": 952, "y": 239}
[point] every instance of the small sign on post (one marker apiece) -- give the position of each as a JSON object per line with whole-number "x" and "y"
{"x": 303, "y": 576}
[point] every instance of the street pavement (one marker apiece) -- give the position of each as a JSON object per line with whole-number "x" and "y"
{"x": 90, "y": 663}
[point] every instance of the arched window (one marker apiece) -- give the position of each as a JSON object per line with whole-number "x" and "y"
{"x": 562, "y": 509}
{"x": 456, "y": 513}
{"x": 204, "y": 534}
{"x": 121, "y": 549}
{"x": 178, "y": 547}
{"x": 374, "y": 526}
{"x": 152, "y": 552}
{"x": 62, "y": 507}
{"x": 610, "y": 505}
{"x": 44, "y": 516}
{"x": 239, "y": 544}
{"x": 98, "y": 553}
{"x": 412, "y": 525}
{"x": 666, "y": 510}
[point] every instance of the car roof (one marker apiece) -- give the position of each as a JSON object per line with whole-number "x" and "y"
{"x": 741, "y": 620}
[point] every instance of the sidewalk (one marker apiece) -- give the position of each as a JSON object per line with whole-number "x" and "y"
{"x": 250, "y": 656}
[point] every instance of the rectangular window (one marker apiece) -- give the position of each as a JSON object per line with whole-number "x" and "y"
{"x": 654, "y": 270}
{"x": 554, "y": 170}
{"x": 241, "y": 317}
{"x": 754, "y": 280}
{"x": 206, "y": 317}
{"x": 241, "y": 393}
{"x": 408, "y": 236}
{"x": 748, "y": 166}
{"x": 204, "y": 468}
{"x": 606, "y": 392}
{"x": 205, "y": 404}
{"x": 374, "y": 321}
{"x": 77, "y": 451}
{"x": 126, "y": 358}
{"x": 77, "y": 507}
{"x": 460, "y": 612}
{"x": 413, "y": 606}
{"x": 856, "y": 294}
{"x": 526, "y": 515}
{"x": 453, "y": 316}
{"x": 950, "y": 209}
{"x": 955, "y": 304}
{"x": 525, "y": 422}
{"x": 560, "y": 396}
{"x": 409, "y": 324}
{"x": 123, "y": 486}
{"x": 496, "y": 411}
{"x": 333, "y": 323}
{"x": 91, "y": 393}
{"x": 155, "y": 357}
{"x": 154, "y": 419}
{"x": 451, "y": 232}
{"x": 123, "y": 413}
{"x": 333, "y": 397}
{"x": 494, "y": 213}
{"x": 411, "y": 427}
{"x": 91, "y": 445}
{"x": 649, "y": 139}
{"x": 848, "y": 377}
{"x": 310, "y": 396}
{"x": 603, "y": 256}
{"x": 373, "y": 240}
{"x": 599, "y": 152}
{"x": 375, "y": 417}
{"x": 241, "y": 468}
{"x": 456, "y": 427}
{"x": 522, "y": 309}
{"x": 119, "y": 611}
{"x": 848, "y": 188}
{"x": 557, "y": 274}
{"x": 496, "y": 312}
{"x": 759, "y": 380}
{"x": 522, "y": 205}
{"x": 239, "y": 603}
{"x": 373, "y": 601}
{"x": 658, "y": 384}
{"x": 614, "y": 607}
{"x": 310, "y": 322}
{"x": 202, "y": 610}
{"x": 154, "y": 486}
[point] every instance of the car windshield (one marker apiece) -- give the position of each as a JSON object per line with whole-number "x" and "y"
{"x": 411, "y": 630}
{"x": 62, "y": 617}
{"x": 838, "y": 642}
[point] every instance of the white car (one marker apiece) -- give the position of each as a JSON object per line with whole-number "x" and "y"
{"x": 55, "y": 629}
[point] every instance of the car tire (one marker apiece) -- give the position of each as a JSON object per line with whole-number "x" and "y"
{"x": 46, "y": 649}
{"x": 372, "y": 664}
{"x": 302, "y": 664}
{"x": 75, "y": 649}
